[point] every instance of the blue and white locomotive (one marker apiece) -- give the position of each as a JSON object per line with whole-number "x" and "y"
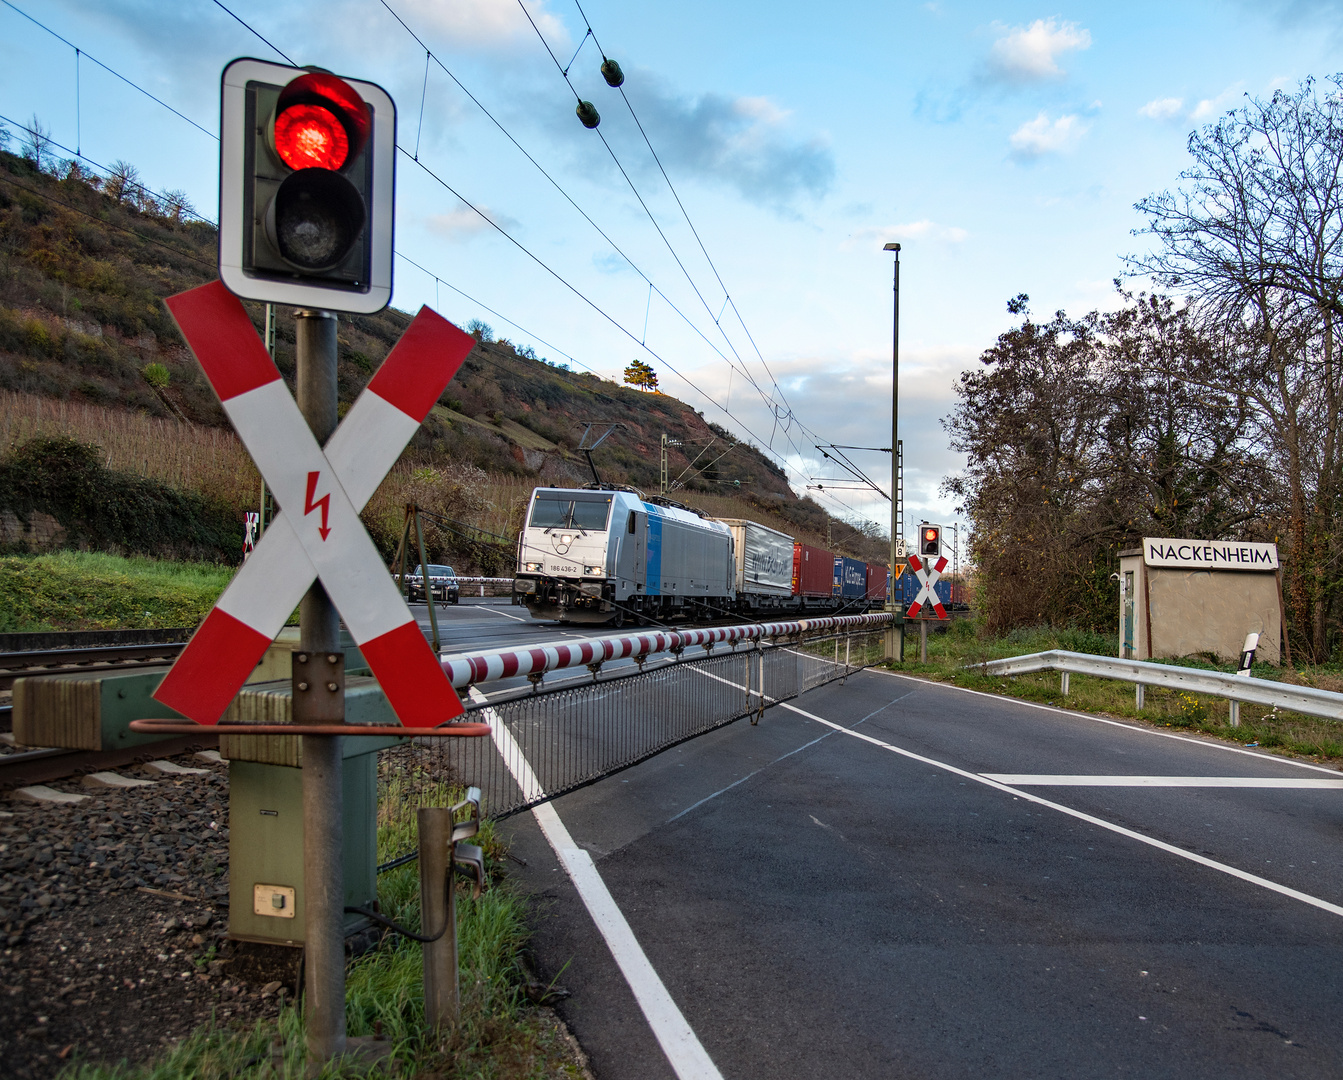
{"x": 606, "y": 555}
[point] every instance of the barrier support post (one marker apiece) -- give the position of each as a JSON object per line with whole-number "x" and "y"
{"x": 1235, "y": 713}
{"x": 1140, "y": 696}
{"x": 437, "y": 908}
{"x": 923, "y": 639}
{"x": 1063, "y": 685}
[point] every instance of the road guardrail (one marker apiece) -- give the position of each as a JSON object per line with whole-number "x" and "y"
{"x": 1235, "y": 688}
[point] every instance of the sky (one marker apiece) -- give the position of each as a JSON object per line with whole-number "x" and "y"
{"x": 1003, "y": 145}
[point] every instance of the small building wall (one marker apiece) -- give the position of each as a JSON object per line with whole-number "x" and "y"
{"x": 1178, "y": 611}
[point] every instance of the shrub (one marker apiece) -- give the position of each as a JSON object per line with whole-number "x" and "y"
{"x": 156, "y": 375}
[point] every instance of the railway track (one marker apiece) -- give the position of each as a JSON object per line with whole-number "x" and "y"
{"x": 15, "y": 665}
{"x": 21, "y": 767}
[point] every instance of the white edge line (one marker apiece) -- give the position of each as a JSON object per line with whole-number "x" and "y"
{"x": 1161, "y": 845}
{"x": 1126, "y": 725}
{"x": 1088, "y": 780}
{"x": 685, "y": 1053}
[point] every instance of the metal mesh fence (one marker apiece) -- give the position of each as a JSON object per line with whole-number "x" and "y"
{"x": 549, "y": 742}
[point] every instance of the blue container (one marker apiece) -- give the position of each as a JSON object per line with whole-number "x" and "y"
{"x": 850, "y": 578}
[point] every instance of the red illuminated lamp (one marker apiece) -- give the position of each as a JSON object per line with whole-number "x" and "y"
{"x": 320, "y": 127}
{"x": 310, "y": 137}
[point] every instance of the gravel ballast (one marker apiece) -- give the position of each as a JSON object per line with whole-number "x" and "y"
{"x": 114, "y": 911}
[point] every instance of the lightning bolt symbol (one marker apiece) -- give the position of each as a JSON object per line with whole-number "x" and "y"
{"x": 309, "y": 505}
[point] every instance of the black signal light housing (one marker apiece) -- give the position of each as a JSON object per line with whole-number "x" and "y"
{"x": 307, "y": 181}
{"x": 930, "y": 540}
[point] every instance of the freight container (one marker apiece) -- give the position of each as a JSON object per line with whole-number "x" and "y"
{"x": 764, "y": 559}
{"x": 850, "y": 578}
{"x": 878, "y": 582}
{"x": 813, "y": 572}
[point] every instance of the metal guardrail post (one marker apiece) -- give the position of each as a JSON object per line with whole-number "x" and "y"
{"x": 1234, "y": 717}
{"x": 1140, "y": 696}
{"x": 1063, "y": 685}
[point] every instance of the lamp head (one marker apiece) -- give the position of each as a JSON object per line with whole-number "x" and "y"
{"x": 891, "y": 247}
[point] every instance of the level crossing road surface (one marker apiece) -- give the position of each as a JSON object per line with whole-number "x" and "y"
{"x": 863, "y": 900}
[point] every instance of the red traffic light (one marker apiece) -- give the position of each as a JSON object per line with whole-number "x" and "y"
{"x": 320, "y": 122}
{"x": 310, "y": 137}
{"x": 930, "y": 540}
{"x": 930, "y": 534}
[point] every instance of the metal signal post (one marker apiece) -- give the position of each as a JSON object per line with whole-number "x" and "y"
{"x": 895, "y": 636}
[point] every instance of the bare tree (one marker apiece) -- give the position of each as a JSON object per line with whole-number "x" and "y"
{"x": 123, "y": 182}
{"x": 37, "y": 144}
{"x": 1254, "y": 234}
{"x": 176, "y": 204}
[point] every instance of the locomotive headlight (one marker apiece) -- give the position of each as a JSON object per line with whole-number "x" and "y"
{"x": 595, "y": 571}
{"x": 566, "y": 539}
{"x": 533, "y": 568}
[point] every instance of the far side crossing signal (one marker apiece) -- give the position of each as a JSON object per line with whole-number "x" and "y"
{"x": 306, "y": 184}
{"x": 930, "y": 540}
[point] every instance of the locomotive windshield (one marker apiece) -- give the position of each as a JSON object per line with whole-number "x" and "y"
{"x": 558, "y": 512}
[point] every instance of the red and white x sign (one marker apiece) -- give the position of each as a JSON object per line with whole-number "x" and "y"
{"x": 927, "y": 579}
{"x": 321, "y": 491}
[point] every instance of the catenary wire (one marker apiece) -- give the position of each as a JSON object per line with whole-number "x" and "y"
{"x": 558, "y": 277}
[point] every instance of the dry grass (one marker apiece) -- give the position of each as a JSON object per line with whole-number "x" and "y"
{"x": 192, "y": 457}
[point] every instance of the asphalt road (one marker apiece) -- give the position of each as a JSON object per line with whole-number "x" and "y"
{"x": 818, "y": 905}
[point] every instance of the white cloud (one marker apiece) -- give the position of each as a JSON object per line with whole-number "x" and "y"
{"x": 483, "y": 22}
{"x": 1030, "y": 53}
{"x": 1042, "y": 135}
{"x": 876, "y": 235}
{"x": 1215, "y": 106}
{"x": 462, "y": 223}
{"x": 1162, "y": 108}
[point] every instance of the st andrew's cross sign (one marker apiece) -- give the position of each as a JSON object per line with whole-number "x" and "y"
{"x": 318, "y": 534}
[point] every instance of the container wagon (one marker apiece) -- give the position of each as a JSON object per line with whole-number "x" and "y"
{"x": 764, "y": 566}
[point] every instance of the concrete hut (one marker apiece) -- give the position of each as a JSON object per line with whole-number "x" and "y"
{"x": 1186, "y": 597}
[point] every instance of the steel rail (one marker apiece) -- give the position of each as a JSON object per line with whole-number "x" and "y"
{"x": 1242, "y": 688}
{"x": 467, "y": 670}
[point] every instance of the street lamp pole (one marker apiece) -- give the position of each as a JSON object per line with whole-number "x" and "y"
{"x": 895, "y": 637}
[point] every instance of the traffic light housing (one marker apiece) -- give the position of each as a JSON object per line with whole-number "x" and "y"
{"x": 306, "y": 184}
{"x": 930, "y": 540}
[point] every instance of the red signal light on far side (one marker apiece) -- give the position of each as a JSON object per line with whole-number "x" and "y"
{"x": 930, "y": 534}
{"x": 309, "y": 136}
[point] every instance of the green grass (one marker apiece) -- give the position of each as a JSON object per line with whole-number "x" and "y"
{"x": 950, "y": 654}
{"x": 79, "y": 590}
{"x": 499, "y": 1036}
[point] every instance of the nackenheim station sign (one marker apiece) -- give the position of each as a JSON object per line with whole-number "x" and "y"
{"x": 1210, "y": 554}
{"x": 1188, "y": 597}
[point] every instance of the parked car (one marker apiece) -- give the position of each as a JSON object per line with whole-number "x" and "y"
{"x": 442, "y": 581}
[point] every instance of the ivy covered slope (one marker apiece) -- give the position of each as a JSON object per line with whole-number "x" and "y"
{"x": 85, "y": 266}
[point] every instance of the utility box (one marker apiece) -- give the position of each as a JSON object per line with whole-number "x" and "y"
{"x": 1191, "y": 597}
{"x": 266, "y": 811}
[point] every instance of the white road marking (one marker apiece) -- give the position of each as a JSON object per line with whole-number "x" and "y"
{"x": 495, "y": 611}
{"x": 687, "y": 1056}
{"x": 1046, "y": 780}
{"x": 1020, "y": 793}
{"x": 1112, "y": 723}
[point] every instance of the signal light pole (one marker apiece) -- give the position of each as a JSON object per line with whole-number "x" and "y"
{"x": 306, "y": 207}
{"x": 895, "y": 636}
